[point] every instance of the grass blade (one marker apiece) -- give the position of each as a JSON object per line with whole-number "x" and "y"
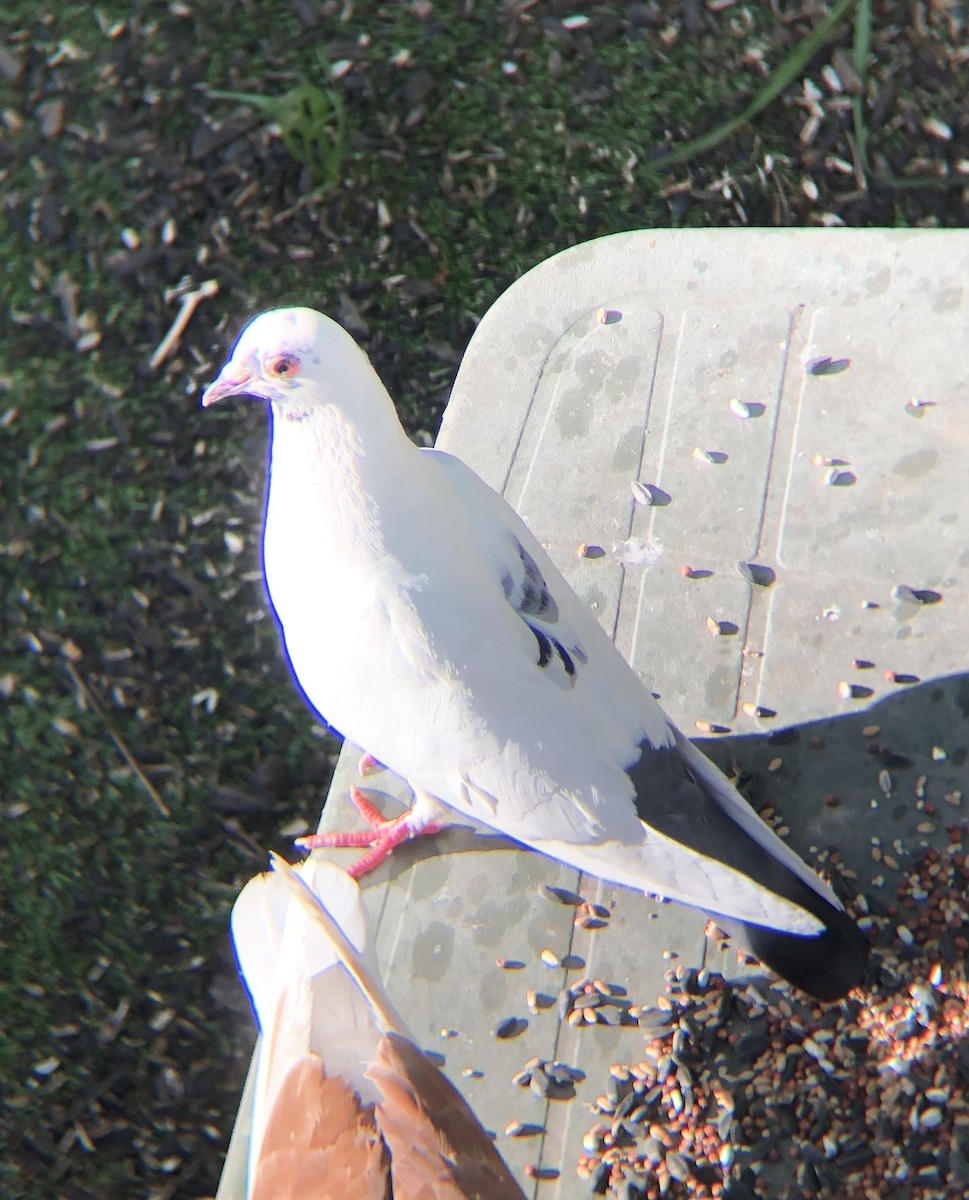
{"x": 789, "y": 70}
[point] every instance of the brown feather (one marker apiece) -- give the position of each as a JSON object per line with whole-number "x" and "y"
{"x": 420, "y": 1141}
{"x": 438, "y": 1150}
{"x": 320, "y": 1142}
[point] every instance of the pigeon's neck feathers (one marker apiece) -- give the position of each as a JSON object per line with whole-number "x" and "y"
{"x": 345, "y": 457}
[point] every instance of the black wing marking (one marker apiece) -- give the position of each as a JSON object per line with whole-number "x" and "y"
{"x": 546, "y": 645}
{"x": 536, "y": 600}
{"x": 530, "y": 597}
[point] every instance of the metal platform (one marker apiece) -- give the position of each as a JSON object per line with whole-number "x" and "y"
{"x": 794, "y": 399}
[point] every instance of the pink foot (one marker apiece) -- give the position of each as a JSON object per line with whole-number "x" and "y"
{"x": 382, "y": 837}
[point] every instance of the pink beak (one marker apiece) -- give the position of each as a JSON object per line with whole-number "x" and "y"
{"x": 232, "y": 381}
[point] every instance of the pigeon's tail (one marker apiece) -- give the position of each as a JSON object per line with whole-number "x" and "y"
{"x": 826, "y": 966}
{"x": 682, "y": 795}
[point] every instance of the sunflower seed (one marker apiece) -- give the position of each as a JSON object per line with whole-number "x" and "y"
{"x": 916, "y": 595}
{"x": 853, "y": 691}
{"x": 588, "y": 1000}
{"x": 757, "y": 573}
{"x": 937, "y": 129}
{"x": 653, "y": 1150}
{"x": 560, "y": 895}
{"x": 608, "y": 1015}
{"x": 617, "y": 1092}
{"x": 677, "y": 1166}
{"x": 710, "y": 727}
{"x": 826, "y": 365}
{"x": 726, "y": 1125}
{"x": 650, "y": 494}
{"x": 584, "y": 921}
{"x": 538, "y": 1084}
{"x": 831, "y": 79}
{"x": 655, "y": 1022}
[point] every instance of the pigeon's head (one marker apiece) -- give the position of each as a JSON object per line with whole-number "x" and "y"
{"x": 289, "y": 356}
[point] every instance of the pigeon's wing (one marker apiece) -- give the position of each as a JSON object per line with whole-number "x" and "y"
{"x": 438, "y": 1149}
{"x": 558, "y": 633}
{"x": 317, "y": 1131}
{"x": 546, "y": 700}
{"x": 605, "y": 782}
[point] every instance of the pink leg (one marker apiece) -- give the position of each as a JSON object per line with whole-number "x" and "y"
{"x": 382, "y": 836}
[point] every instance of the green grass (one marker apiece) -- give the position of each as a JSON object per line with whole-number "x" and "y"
{"x": 105, "y": 903}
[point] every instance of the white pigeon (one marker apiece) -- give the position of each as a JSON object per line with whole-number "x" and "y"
{"x": 346, "y": 1107}
{"x": 424, "y": 621}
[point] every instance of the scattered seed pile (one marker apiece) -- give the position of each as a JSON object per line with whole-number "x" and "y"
{"x": 747, "y": 1090}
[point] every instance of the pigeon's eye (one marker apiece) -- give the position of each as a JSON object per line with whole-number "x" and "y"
{"x": 284, "y": 366}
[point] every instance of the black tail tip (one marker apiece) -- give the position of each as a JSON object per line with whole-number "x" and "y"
{"x": 825, "y": 967}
